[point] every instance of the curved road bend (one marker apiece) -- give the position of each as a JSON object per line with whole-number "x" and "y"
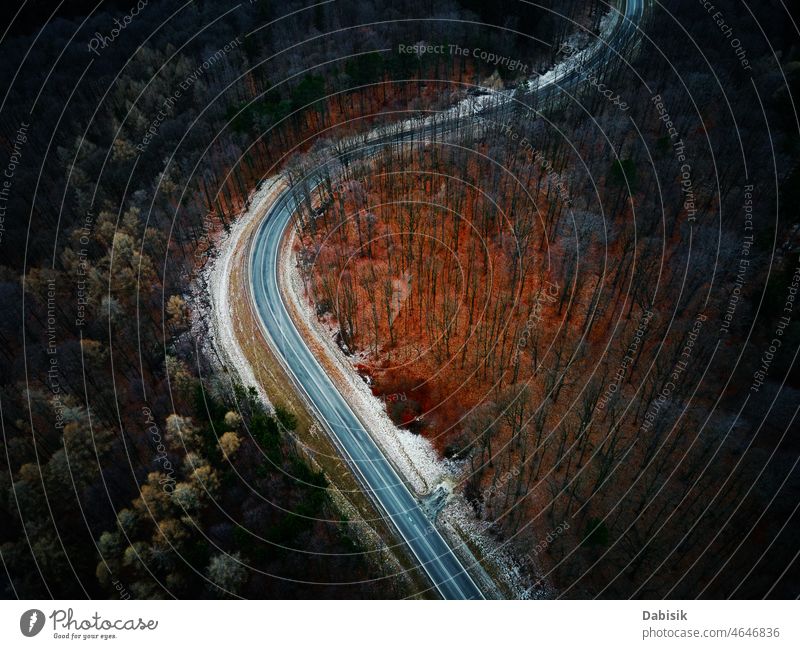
{"x": 375, "y": 472}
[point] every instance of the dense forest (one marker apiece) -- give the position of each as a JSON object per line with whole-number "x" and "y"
{"x": 583, "y": 325}
{"x": 134, "y": 134}
{"x": 581, "y": 299}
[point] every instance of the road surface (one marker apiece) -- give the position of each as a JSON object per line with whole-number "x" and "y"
{"x": 375, "y": 473}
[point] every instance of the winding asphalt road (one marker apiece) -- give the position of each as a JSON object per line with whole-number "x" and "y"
{"x": 376, "y": 474}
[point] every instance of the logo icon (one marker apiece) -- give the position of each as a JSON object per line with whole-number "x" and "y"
{"x": 31, "y": 622}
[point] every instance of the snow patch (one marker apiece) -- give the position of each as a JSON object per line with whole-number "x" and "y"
{"x": 457, "y": 521}
{"x": 215, "y": 276}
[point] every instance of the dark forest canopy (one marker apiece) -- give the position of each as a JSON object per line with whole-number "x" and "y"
{"x": 127, "y": 148}
{"x": 123, "y": 128}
